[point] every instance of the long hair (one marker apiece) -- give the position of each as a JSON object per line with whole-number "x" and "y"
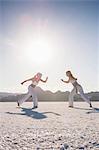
{"x": 71, "y": 74}
{"x": 37, "y": 77}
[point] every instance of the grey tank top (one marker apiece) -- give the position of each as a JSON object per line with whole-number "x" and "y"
{"x": 75, "y": 84}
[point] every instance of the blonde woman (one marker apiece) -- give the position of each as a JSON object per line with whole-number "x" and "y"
{"x": 31, "y": 89}
{"x": 76, "y": 88}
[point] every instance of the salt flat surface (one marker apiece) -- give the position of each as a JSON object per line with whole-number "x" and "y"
{"x": 49, "y": 127}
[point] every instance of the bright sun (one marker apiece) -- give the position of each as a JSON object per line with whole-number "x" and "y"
{"x": 38, "y": 51}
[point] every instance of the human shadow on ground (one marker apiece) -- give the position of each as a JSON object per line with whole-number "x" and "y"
{"x": 82, "y": 108}
{"x": 94, "y": 110}
{"x": 33, "y": 114}
{"x": 49, "y": 112}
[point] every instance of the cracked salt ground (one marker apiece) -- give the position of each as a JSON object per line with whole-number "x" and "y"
{"x": 57, "y": 127}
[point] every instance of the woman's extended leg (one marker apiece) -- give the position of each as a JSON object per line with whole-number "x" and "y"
{"x": 25, "y": 98}
{"x": 84, "y": 97}
{"x": 71, "y": 97}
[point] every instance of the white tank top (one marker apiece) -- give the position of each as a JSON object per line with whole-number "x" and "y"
{"x": 34, "y": 82}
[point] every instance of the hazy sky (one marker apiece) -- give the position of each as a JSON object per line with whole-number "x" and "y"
{"x": 49, "y": 36}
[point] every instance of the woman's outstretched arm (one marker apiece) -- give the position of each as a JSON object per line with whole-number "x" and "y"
{"x": 44, "y": 80}
{"x": 26, "y": 80}
{"x": 65, "y": 81}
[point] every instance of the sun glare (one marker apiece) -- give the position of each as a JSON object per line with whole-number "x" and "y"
{"x": 39, "y": 51}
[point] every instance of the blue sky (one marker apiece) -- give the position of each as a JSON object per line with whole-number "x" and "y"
{"x": 67, "y": 33}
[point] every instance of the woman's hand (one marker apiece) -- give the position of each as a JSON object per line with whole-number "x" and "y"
{"x": 22, "y": 83}
{"x": 62, "y": 80}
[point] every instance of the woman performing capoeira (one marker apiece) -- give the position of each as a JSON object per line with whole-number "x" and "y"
{"x": 77, "y": 88}
{"x": 31, "y": 90}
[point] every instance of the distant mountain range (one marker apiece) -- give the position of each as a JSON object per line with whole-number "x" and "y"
{"x": 46, "y": 96}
